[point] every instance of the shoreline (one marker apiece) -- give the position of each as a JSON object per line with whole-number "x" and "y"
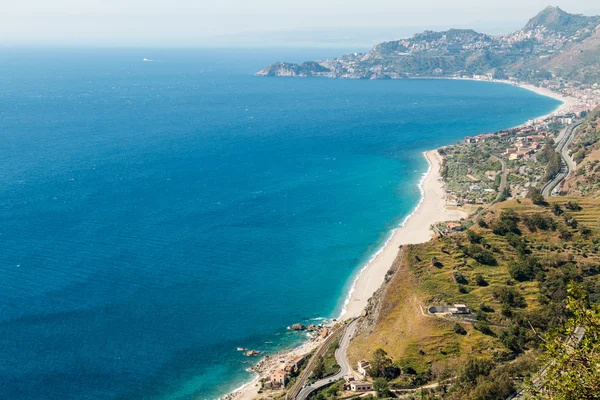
{"x": 268, "y": 365}
{"x": 414, "y": 229}
{"x": 566, "y": 102}
{"x": 387, "y": 240}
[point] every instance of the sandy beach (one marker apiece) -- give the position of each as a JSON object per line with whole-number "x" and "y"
{"x": 567, "y": 102}
{"x": 416, "y": 229}
{"x": 567, "y": 106}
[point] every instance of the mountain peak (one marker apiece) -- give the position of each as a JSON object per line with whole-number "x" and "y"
{"x": 554, "y": 18}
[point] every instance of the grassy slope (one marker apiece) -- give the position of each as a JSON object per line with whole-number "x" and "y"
{"x": 410, "y": 337}
{"x": 586, "y": 152}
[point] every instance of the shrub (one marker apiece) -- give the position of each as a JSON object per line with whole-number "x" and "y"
{"x": 539, "y": 221}
{"x": 557, "y": 210}
{"x": 538, "y": 199}
{"x": 483, "y": 327}
{"x": 564, "y": 233}
{"x": 460, "y": 278}
{"x": 509, "y": 296}
{"x": 480, "y": 315}
{"x": 474, "y": 368}
{"x": 517, "y": 242}
{"x": 585, "y": 231}
{"x": 525, "y": 269}
{"x": 479, "y": 254}
{"x": 458, "y": 328}
{"x": 506, "y": 223}
{"x": 480, "y": 280}
{"x": 571, "y": 222}
{"x": 382, "y": 388}
{"x": 474, "y": 237}
{"x": 573, "y": 206}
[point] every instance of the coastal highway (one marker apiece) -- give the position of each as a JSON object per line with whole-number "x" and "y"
{"x": 342, "y": 360}
{"x": 563, "y": 141}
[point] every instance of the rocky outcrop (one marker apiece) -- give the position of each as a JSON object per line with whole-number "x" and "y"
{"x": 298, "y": 327}
{"x": 311, "y": 68}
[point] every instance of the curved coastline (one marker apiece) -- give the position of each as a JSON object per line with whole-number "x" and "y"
{"x": 415, "y": 228}
{"x": 388, "y": 239}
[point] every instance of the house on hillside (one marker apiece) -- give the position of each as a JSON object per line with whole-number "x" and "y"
{"x": 363, "y": 367}
{"x": 277, "y": 380}
{"x": 293, "y": 366}
{"x": 452, "y": 227}
{"x": 360, "y": 386}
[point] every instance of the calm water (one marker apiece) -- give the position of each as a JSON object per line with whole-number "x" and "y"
{"x": 154, "y": 216}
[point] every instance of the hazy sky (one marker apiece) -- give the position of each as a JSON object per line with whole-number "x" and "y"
{"x": 193, "y": 22}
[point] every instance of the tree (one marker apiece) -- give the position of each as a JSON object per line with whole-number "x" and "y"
{"x": 382, "y": 366}
{"x": 382, "y": 388}
{"x": 538, "y": 199}
{"x": 525, "y": 269}
{"x": 572, "y": 360}
{"x": 509, "y": 296}
{"x": 474, "y": 237}
{"x": 319, "y": 369}
{"x": 474, "y": 368}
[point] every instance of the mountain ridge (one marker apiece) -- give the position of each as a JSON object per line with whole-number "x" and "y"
{"x": 548, "y": 46}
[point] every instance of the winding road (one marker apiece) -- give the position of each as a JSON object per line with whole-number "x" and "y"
{"x": 563, "y": 142}
{"x": 342, "y": 360}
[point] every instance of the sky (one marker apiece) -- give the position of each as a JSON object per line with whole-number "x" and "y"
{"x": 256, "y": 22}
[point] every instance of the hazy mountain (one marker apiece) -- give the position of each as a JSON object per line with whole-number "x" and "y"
{"x": 554, "y": 43}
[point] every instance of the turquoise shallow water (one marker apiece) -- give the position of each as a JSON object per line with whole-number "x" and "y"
{"x": 154, "y": 216}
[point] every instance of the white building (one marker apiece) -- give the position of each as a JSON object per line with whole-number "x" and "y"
{"x": 360, "y": 386}
{"x": 364, "y": 367}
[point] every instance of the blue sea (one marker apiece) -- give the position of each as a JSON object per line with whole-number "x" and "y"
{"x": 155, "y": 215}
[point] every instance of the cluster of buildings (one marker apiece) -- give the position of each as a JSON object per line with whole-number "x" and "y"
{"x": 280, "y": 378}
{"x": 550, "y": 40}
{"x": 351, "y": 383}
{"x": 525, "y": 146}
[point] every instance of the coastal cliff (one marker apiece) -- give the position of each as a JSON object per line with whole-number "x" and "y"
{"x": 312, "y": 68}
{"x": 550, "y": 45}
